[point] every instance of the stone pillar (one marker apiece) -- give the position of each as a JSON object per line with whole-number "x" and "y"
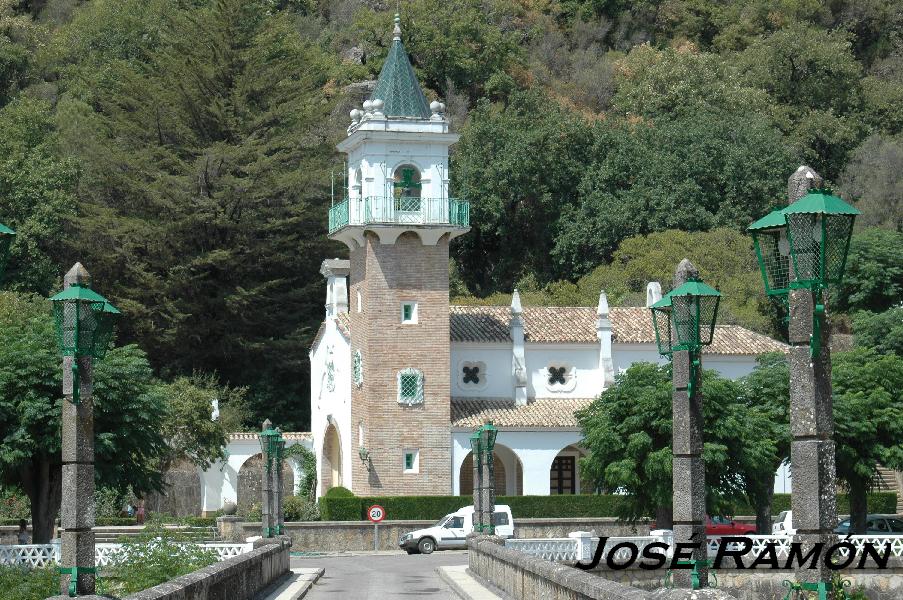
{"x": 488, "y": 495}
{"x": 688, "y": 470}
{"x": 279, "y": 512}
{"x": 77, "y": 510}
{"x": 814, "y": 500}
{"x": 477, "y": 488}
{"x": 267, "y": 515}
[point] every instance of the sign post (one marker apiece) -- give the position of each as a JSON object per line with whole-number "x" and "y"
{"x": 376, "y": 513}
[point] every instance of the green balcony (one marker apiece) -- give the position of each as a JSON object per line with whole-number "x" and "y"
{"x": 375, "y": 210}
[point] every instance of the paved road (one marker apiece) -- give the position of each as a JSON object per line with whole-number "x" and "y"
{"x": 382, "y": 576}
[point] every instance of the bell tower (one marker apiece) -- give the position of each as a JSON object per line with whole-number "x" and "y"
{"x": 397, "y": 222}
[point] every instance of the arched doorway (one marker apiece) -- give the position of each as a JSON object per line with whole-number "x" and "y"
{"x": 564, "y": 474}
{"x": 331, "y": 459}
{"x": 250, "y": 483}
{"x": 182, "y": 495}
{"x": 508, "y": 473}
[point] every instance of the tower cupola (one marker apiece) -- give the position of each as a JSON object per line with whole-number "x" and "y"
{"x": 398, "y": 170}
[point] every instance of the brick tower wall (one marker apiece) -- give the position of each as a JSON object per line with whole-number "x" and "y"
{"x": 386, "y": 276}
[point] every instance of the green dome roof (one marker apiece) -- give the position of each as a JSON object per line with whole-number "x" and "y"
{"x": 397, "y": 85}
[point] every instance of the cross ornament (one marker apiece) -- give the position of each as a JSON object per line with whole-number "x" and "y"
{"x": 472, "y": 375}
{"x": 556, "y": 375}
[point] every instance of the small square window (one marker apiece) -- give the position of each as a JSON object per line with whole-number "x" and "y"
{"x": 408, "y": 312}
{"x": 410, "y": 387}
{"x": 411, "y": 460}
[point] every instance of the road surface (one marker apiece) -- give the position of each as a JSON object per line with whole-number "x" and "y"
{"x": 382, "y": 576}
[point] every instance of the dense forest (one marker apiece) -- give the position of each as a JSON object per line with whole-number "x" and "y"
{"x": 183, "y": 150}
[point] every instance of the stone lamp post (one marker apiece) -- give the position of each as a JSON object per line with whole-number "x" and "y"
{"x": 269, "y": 443}
{"x": 482, "y": 443}
{"x": 84, "y": 326}
{"x": 802, "y": 250}
{"x": 684, "y": 322}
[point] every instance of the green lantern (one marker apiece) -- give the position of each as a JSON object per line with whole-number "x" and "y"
{"x": 84, "y": 326}
{"x": 684, "y": 319}
{"x": 269, "y": 440}
{"x": 772, "y": 251}
{"x": 6, "y": 241}
{"x": 819, "y": 228}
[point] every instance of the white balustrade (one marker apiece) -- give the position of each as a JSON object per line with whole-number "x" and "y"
{"x": 566, "y": 549}
{"x": 42, "y": 555}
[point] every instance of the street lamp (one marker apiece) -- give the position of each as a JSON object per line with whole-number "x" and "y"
{"x": 84, "y": 326}
{"x": 813, "y": 236}
{"x": 482, "y": 444}
{"x": 684, "y": 319}
{"x": 6, "y": 241}
{"x": 269, "y": 446}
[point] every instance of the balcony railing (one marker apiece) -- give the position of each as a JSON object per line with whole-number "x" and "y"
{"x": 375, "y": 210}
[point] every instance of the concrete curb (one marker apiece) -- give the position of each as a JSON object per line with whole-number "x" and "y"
{"x": 296, "y": 585}
{"x": 464, "y": 585}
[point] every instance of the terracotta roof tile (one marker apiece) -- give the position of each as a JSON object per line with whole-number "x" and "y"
{"x": 569, "y": 324}
{"x": 344, "y": 323}
{"x": 288, "y": 435}
{"x": 541, "y": 412}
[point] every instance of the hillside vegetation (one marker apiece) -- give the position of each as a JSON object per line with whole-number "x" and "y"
{"x": 182, "y": 150}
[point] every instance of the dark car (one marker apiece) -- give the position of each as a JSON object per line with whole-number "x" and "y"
{"x": 874, "y": 525}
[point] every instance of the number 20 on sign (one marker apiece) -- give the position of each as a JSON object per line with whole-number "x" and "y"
{"x": 376, "y": 513}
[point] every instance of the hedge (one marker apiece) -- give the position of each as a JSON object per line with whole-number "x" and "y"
{"x": 424, "y": 508}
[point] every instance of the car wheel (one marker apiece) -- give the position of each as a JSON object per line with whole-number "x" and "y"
{"x": 426, "y": 546}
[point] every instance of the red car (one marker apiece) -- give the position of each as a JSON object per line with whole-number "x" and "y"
{"x": 720, "y": 526}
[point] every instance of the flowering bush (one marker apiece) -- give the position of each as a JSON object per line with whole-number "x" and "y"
{"x": 14, "y": 504}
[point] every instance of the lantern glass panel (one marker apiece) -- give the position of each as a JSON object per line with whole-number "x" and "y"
{"x": 838, "y": 229}
{"x": 6, "y": 241}
{"x": 806, "y": 234}
{"x": 661, "y": 321}
{"x": 773, "y": 252}
{"x": 76, "y": 326}
{"x": 106, "y": 323}
{"x": 694, "y": 320}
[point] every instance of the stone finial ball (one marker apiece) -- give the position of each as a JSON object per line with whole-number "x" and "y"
{"x": 368, "y": 105}
{"x": 229, "y": 508}
{"x": 356, "y": 114}
{"x": 442, "y": 107}
{"x": 436, "y": 106}
{"x": 378, "y": 105}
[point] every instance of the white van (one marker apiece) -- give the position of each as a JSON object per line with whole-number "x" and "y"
{"x": 783, "y": 525}
{"x": 451, "y": 530}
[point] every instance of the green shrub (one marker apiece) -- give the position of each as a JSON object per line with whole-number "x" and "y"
{"x": 20, "y": 583}
{"x": 300, "y": 508}
{"x": 14, "y": 505}
{"x": 115, "y": 521}
{"x": 339, "y": 492}
{"x": 156, "y": 556}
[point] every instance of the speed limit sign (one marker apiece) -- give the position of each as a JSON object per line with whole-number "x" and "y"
{"x": 376, "y": 513}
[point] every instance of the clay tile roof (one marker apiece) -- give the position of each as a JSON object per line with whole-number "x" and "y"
{"x": 542, "y": 324}
{"x": 577, "y": 324}
{"x": 633, "y": 325}
{"x": 287, "y": 435}
{"x": 344, "y": 324}
{"x": 541, "y": 412}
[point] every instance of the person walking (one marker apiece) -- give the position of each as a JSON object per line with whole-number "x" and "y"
{"x": 139, "y": 512}
{"x": 22, "y": 536}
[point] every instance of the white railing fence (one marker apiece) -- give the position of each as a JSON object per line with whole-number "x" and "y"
{"x": 41, "y": 555}
{"x": 583, "y": 547}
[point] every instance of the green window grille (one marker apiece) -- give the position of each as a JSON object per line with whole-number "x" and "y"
{"x": 357, "y": 368}
{"x": 409, "y": 461}
{"x": 407, "y": 312}
{"x": 410, "y": 387}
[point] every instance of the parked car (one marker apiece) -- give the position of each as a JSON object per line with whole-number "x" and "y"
{"x": 874, "y": 525}
{"x": 451, "y": 531}
{"x": 714, "y": 526}
{"x": 783, "y": 525}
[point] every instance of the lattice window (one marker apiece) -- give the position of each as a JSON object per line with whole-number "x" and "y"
{"x": 560, "y": 377}
{"x": 410, "y": 387}
{"x": 357, "y": 368}
{"x": 472, "y": 375}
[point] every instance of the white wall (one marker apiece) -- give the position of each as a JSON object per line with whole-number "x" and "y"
{"x": 373, "y": 156}
{"x": 731, "y": 367}
{"x": 584, "y": 358}
{"x": 332, "y": 406}
{"x": 499, "y": 380}
{"x": 536, "y": 449}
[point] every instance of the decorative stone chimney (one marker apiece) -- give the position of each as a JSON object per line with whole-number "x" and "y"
{"x": 603, "y": 332}
{"x": 336, "y": 273}
{"x": 653, "y": 293}
{"x": 518, "y": 360}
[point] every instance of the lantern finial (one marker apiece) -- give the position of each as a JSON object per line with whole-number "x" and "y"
{"x": 267, "y": 424}
{"x": 685, "y": 272}
{"x": 77, "y": 275}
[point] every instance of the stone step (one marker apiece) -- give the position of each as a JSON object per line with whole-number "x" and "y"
{"x": 890, "y": 481}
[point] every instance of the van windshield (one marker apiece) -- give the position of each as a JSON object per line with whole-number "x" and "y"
{"x": 441, "y": 521}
